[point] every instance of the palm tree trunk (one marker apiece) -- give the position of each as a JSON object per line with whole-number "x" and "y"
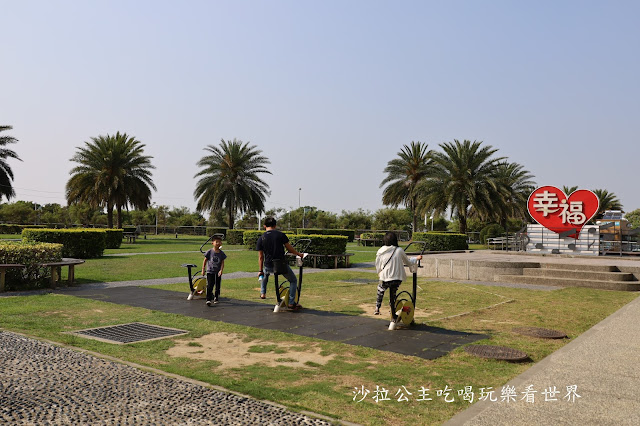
{"x": 119, "y": 217}
{"x": 109, "y": 215}
{"x": 230, "y": 216}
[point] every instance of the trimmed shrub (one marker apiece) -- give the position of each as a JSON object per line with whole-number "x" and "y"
{"x": 31, "y": 255}
{"x": 250, "y": 238}
{"x": 323, "y": 244}
{"x": 235, "y": 236}
{"x": 491, "y": 231}
{"x": 440, "y": 241}
{"x": 215, "y": 230}
{"x": 113, "y": 239}
{"x": 9, "y": 228}
{"x": 349, "y": 233}
{"x": 80, "y": 243}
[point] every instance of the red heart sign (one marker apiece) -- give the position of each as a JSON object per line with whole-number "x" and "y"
{"x": 551, "y": 208}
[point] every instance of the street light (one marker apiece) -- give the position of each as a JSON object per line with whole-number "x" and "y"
{"x": 299, "y": 189}
{"x": 431, "y": 223}
{"x": 289, "y": 213}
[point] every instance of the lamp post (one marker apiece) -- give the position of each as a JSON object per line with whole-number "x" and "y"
{"x": 299, "y": 189}
{"x": 289, "y": 213}
{"x": 431, "y": 223}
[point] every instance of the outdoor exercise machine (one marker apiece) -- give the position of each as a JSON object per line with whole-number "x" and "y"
{"x": 197, "y": 281}
{"x": 405, "y": 302}
{"x": 279, "y": 268}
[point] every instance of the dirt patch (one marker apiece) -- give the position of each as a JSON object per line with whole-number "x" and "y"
{"x": 231, "y": 352}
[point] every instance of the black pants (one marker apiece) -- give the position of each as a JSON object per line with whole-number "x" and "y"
{"x": 393, "y": 288}
{"x": 213, "y": 280}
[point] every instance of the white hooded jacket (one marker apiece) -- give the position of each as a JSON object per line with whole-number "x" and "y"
{"x": 394, "y": 269}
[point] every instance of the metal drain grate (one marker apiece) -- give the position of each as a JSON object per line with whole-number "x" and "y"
{"x": 543, "y": 333}
{"x": 129, "y": 333}
{"x": 496, "y": 352}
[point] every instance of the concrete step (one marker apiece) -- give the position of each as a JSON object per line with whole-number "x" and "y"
{"x": 569, "y": 282}
{"x": 586, "y": 275}
{"x": 575, "y": 267}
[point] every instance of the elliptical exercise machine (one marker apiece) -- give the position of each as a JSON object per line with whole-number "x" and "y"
{"x": 279, "y": 268}
{"x": 405, "y": 302}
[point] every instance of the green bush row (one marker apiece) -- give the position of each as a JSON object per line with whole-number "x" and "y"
{"x": 113, "y": 239}
{"x": 31, "y": 255}
{"x": 79, "y": 243}
{"x": 211, "y": 230}
{"x": 6, "y": 228}
{"x": 441, "y": 241}
{"x": 235, "y": 236}
{"x": 349, "y": 233}
{"x": 250, "y": 238}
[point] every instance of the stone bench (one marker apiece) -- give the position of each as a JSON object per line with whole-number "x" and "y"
{"x": 3, "y": 272}
{"x": 56, "y": 269}
{"x": 336, "y": 258}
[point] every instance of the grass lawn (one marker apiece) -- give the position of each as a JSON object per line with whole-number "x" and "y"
{"x": 329, "y": 383}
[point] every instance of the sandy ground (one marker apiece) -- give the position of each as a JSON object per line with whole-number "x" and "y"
{"x": 230, "y": 350}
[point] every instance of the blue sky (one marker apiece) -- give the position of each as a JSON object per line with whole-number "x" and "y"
{"x": 330, "y": 91}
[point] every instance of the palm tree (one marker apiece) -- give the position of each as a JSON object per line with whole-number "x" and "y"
{"x": 403, "y": 176}
{"x": 111, "y": 172}
{"x": 465, "y": 175}
{"x": 6, "y": 174}
{"x": 568, "y": 190}
{"x": 514, "y": 187}
{"x": 608, "y": 201}
{"x": 230, "y": 179}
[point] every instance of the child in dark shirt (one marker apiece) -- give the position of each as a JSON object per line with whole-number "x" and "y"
{"x": 214, "y": 265}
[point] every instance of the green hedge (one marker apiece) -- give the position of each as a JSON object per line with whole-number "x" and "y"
{"x": 30, "y": 255}
{"x": 113, "y": 239}
{"x": 250, "y": 238}
{"x": 441, "y": 241}
{"x": 80, "y": 243}
{"x": 324, "y": 244}
{"x": 349, "y": 233}
{"x": 211, "y": 230}
{"x": 235, "y": 236}
{"x": 6, "y": 228}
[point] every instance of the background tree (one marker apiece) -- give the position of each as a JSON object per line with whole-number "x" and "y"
{"x": 357, "y": 219}
{"x": 608, "y": 201}
{"x": 634, "y": 218}
{"x": 112, "y": 172}
{"x": 6, "y": 174}
{"x": 463, "y": 176}
{"x": 568, "y": 190}
{"x": 515, "y": 184}
{"x": 230, "y": 179}
{"x": 392, "y": 220}
{"x": 403, "y": 176}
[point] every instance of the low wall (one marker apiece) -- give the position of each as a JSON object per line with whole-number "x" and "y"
{"x": 473, "y": 270}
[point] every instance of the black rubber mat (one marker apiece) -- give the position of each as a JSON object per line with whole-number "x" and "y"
{"x": 420, "y": 341}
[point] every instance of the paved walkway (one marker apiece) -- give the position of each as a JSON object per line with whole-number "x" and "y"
{"x": 602, "y": 363}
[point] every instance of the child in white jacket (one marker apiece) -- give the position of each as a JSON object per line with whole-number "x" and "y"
{"x": 390, "y": 262}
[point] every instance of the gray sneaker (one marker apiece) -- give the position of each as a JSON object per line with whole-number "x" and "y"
{"x": 215, "y": 301}
{"x": 190, "y": 296}
{"x": 208, "y": 302}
